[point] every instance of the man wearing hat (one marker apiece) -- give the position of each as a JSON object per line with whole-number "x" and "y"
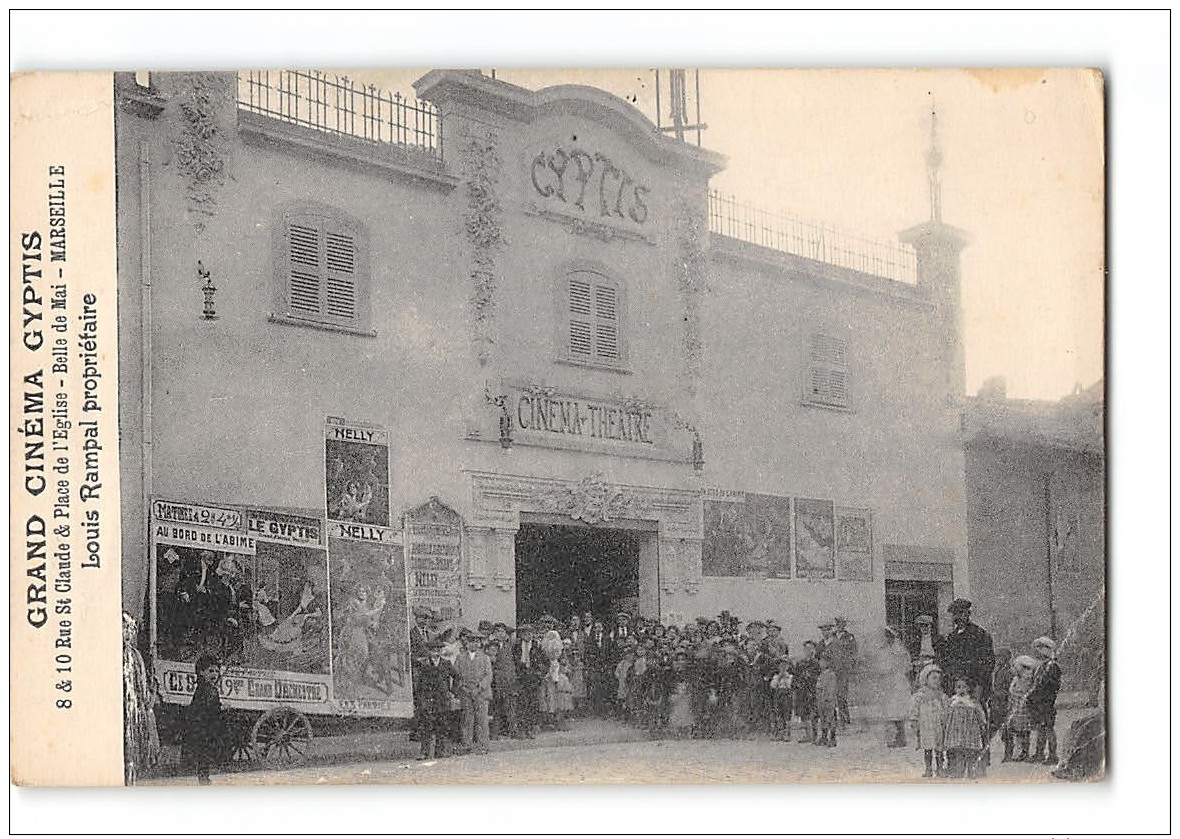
{"x": 622, "y": 629}
{"x": 418, "y": 631}
{"x": 505, "y": 684}
{"x": 966, "y": 652}
{"x": 434, "y": 683}
{"x": 474, "y": 670}
{"x": 843, "y": 651}
{"x": 826, "y": 632}
{"x": 597, "y": 651}
{"x": 531, "y": 666}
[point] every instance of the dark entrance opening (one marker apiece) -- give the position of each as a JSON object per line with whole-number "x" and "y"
{"x": 904, "y": 601}
{"x": 564, "y": 570}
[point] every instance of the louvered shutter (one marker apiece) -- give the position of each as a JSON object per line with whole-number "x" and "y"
{"x": 581, "y": 316}
{"x": 828, "y": 376}
{"x": 305, "y": 276}
{"x": 323, "y": 279}
{"x": 340, "y": 262}
{"x": 606, "y": 326}
{"x": 593, "y": 316}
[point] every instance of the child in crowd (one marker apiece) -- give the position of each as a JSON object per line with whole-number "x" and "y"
{"x": 1019, "y": 723}
{"x": 997, "y": 706}
{"x": 780, "y": 692}
{"x": 1042, "y": 701}
{"x": 825, "y": 703}
{"x": 565, "y": 690}
{"x": 680, "y": 722}
{"x": 806, "y": 673}
{"x": 623, "y": 678}
{"x": 206, "y": 735}
{"x": 928, "y": 713}
{"x": 966, "y": 732}
{"x": 638, "y": 678}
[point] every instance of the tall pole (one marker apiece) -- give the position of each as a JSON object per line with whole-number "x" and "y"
{"x": 1049, "y": 553}
{"x": 934, "y": 167}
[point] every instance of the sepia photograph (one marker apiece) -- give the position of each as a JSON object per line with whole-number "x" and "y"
{"x": 677, "y": 424}
{"x": 470, "y": 416}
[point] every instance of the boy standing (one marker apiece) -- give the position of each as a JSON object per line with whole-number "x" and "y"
{"x": 780, "y": 692}
{"x": 806, "y": 673}
{"x": 826, "y": 703}
{"x": 205, "y": 740}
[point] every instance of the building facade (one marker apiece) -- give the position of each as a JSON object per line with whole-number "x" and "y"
{"x": 595, "y": 383}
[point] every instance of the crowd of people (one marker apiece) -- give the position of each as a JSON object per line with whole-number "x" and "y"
{"x": 711, "y": 678}
{"x": 724, "y": 678}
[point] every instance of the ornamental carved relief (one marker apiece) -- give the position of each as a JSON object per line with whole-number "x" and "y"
{"x": 201, "y": 141}
{"x": 691, "y": 232}
{"x": 591, "y": 500}
{"x": 499, "y": 500}
{"x": 482, "y": 224}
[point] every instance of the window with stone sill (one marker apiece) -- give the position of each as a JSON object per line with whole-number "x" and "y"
{"x": 592, "y": 316}
{"x": 827, "y": 372}
{"x": 323, "y": 272}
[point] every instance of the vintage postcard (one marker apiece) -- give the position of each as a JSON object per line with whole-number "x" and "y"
{"x": 584, "y": 426}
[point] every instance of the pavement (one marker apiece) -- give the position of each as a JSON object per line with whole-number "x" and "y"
{"x": 607, "y": 752}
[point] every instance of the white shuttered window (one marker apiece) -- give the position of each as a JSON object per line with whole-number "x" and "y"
{"x": 827, "y": 375}
{"x": 593, "y": 318}
{"x": 325, "y": 274}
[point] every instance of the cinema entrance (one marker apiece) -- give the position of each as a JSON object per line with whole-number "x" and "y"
{"x": 563, "y": 568}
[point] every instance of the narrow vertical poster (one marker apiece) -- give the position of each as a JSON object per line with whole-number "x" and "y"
{"x": 434, "y": 552}
{"x": 370, "y": 640}
{"x": 854, "y": 544}
{"x": 815, "y": 539}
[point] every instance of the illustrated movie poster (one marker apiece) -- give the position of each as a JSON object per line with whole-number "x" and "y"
{"x": 854, "y": 544}
{"x": 370, "y": 641}
{"x": 357, "y": 471}
{"x": 815, "y": 537}
{"x": 747, "y": 535}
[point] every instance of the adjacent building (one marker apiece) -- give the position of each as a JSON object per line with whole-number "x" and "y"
{"x": 1036, "y": 514}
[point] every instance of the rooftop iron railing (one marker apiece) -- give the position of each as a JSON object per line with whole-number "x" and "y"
{"x": 782, "y": 232}
{"x": 342, "y": 106}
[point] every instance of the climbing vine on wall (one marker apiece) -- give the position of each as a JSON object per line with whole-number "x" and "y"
{"x": 482, "y": 224}
{"x": 690, "y": 260}
{"x": 201, "y": 145}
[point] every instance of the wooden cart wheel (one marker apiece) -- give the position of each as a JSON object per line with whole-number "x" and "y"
{"x": 241, "y": 740}
{"x": 281, "y": 734}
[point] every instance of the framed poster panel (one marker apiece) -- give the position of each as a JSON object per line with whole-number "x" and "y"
{"x": 815, "y": 539}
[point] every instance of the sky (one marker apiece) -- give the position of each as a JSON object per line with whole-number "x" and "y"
{"x": 1022, "y": 175}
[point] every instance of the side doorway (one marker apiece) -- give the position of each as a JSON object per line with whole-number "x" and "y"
{"x": 904, "y": 601}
